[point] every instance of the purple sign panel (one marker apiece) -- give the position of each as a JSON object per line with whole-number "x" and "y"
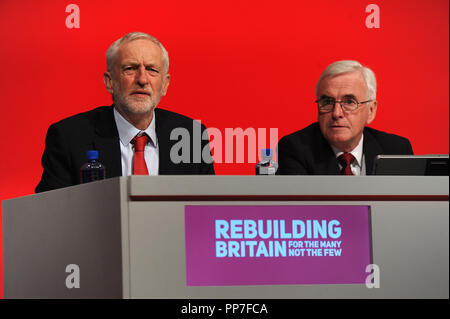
{"x": 277, "y": 245}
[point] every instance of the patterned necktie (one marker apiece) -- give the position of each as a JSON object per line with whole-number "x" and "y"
{"x": 139, "y": 165}
{"x": 345, "y": 160}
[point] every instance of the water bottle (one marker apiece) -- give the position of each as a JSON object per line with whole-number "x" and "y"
{"x": 266, "y": 166}
{"x": 93, "y": 170}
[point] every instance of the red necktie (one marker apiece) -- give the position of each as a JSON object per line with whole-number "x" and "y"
{"x": 139, "y": 166}
{"x": 345, "y": 160}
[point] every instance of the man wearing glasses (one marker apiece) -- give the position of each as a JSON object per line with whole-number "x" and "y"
{"x": 340, "y": 143}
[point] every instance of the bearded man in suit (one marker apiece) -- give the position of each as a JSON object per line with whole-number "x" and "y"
{"x": 137, "y": 78}
{"x": 340, "y": 142}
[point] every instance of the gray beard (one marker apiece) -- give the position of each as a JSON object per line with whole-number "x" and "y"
{"x": 132, "y": 106}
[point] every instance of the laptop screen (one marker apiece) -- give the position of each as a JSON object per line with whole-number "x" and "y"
{"x": 413, "y": 165}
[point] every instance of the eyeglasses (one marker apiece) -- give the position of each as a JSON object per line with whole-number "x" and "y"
{"x": 348, "y": 104}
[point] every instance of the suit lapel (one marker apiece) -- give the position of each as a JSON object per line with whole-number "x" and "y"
{"x": 163, "y": 129}
{"x": 106, "y": 141}
{"x": 327, "y": 163}
{"x": 371, "y": 149}
{"x": 330, "y": 165}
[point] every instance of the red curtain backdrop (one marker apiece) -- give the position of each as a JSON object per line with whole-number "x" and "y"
{"x": 234, "y": 64}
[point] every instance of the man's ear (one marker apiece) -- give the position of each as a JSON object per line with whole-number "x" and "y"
{"x": 107, "y": 80}
{"x": 166, "y": 84}
{"x": 372, "y": 111}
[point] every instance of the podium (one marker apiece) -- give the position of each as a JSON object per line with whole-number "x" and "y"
{"x": 126, "y": 235}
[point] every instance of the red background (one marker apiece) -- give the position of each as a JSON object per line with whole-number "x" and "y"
{"x": 233, "y": 64}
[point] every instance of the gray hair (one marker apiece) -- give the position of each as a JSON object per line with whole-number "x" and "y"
{"x": 112, "y": 50}
{"x": 346, "y": 66}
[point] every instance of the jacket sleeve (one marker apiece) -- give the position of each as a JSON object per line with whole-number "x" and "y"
{"x": 207, "y": 166}
{"x": 55, "y": 162}
{"x": 288, "y": 159}
{"x": 409, "y": 150}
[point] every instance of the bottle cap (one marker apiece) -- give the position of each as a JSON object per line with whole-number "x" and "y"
{"x": 92, "y": 155}
{"x": 266, "y": 153}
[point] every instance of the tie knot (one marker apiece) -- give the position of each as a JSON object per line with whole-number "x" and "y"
{"x": 346, "y": 159}
{"x": 139, "y": 142}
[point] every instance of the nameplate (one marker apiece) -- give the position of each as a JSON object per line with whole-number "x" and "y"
{"x": 277, "y": 245}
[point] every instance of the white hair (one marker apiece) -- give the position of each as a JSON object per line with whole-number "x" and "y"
{"x": 346, "y": 66}
{"x": 112, "y": 50}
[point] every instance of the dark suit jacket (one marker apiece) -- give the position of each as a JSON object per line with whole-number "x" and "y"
{"x": 307, "y": 152}
{"x": 68, "y": 140}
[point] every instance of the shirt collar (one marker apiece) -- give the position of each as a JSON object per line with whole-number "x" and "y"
{"x": 357, "y": 152}
{"x": 127, "y": 131}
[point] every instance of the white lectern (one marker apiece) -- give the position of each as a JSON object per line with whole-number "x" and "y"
{"x": 127, "y": 235}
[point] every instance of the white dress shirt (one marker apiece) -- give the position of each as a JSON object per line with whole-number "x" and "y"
{"x": 358, "y": 166}
{"x": 126, "y": 133}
